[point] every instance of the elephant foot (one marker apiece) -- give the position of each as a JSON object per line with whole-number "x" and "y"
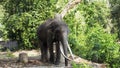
{"x": 57, "y": 62}
{"x": 52, "y": 60}
{"x": 44, "y": 60}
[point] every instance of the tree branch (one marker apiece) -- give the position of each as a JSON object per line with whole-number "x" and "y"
{"x": 68, "y": 6}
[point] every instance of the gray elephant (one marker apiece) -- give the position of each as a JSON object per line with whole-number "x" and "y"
{"x": 53, "y": 31}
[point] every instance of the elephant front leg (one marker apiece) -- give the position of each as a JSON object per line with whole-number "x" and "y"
{"x": 58, "y": 53}
{"x": 50, "y": 45}
{"x": 51, "y": 53}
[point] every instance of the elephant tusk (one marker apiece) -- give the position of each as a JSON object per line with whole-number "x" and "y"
{"x": 70, "y": 50}
{"x": 61, "y": 49}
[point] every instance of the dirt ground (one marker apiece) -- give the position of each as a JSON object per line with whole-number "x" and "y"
{"x": 10, "y": 60}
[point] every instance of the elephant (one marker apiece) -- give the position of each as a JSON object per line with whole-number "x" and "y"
{"x": 53, "y": 32}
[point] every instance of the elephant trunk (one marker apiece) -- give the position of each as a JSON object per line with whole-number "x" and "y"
{"x": 66, "y": 47}
{"x": 64, "y": 43}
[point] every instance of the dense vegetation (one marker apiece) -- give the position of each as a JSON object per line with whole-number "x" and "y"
{"x": 94, "y": 26}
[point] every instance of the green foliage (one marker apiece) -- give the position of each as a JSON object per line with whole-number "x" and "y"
{"x": 9, "y": 54}
{"x": 81, "y": 65}
{"x": 90, "y": 35}
{"x": 115, "y": 16}
{"x": 101, "y": 47}
{"x": 89, "y": 23}
{"x": 22, "y": 19}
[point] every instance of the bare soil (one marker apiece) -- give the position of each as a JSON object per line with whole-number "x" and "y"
{"x": 10, "y": 60}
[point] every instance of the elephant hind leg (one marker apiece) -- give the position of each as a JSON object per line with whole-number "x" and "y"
{"x": 44, "y": 53}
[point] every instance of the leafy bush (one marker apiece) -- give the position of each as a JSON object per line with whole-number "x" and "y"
{"x": 101, "y": 47}
{"x": 22, "y": 19}
{"x": 90, "y": 35}
{"x": 81, "y": 65}
{"x": 88, "y": 22}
